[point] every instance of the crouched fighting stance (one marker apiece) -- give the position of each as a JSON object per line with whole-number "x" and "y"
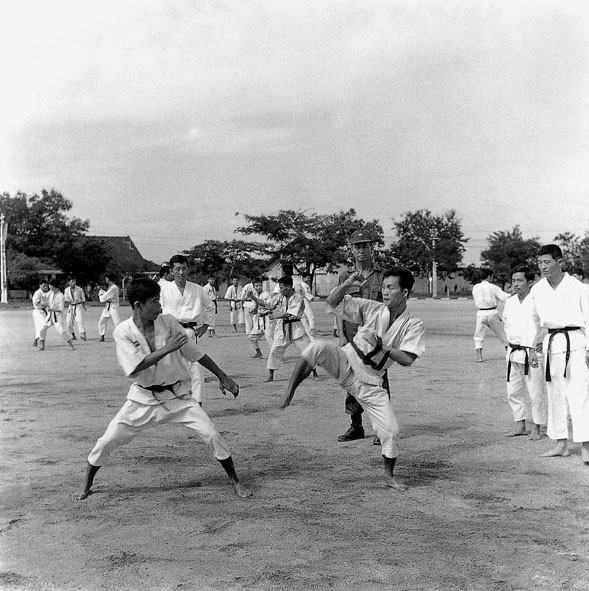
{"x": 387, "y": 334}
{"x": 153, "y": 349}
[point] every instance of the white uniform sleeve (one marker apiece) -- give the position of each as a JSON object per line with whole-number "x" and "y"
{"x": 129, "y": 351}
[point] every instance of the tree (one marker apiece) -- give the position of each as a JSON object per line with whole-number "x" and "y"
{"x": 572, "y": 249}
{"x": 39, "y": 229}
{"x": 507, "y": 250}
{"x": 308, "y": 240}
{"x": 228, "y": 258}
{"x": 424, "y": 238}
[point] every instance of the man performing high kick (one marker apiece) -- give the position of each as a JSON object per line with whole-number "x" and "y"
{"x": 386, "y": 334}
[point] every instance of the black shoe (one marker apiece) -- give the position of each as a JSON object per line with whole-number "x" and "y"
{"x": 376, "y": 440}
{"x": 354, "y": 432}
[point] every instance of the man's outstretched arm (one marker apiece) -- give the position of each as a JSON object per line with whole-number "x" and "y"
{"x": 225, "y": 382}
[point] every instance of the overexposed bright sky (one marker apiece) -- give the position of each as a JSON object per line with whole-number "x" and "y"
{"x": 161, "y": 119}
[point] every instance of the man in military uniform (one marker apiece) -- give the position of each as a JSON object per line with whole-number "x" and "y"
{"x": 361, "y": 247}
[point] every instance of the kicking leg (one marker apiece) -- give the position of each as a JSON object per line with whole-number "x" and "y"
{"x": 301, "y": 371}
{"x": 89, "y": 481}
{"x": 240, "y": 489}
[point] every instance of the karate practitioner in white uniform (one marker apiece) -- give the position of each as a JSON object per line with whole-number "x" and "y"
{"x": 258, "y": 322}
{"x": 110, "y": 298}
{"x": 526, "y": 388}
{"x": 387, "y": 334}
{"x": 560, "y": 304}
{"x": 233, "y": 296}
{"x": 487, "y": 297}
{"x": 55, "y": 316}
{"x": 152, "y": 348}
{"x": 190, "y": 305}
{"x": 211, "y": 290}
{"x": 40, "y": 308}
{"x": 246, "y": 291}
{"x": 287, "y": 308}
{"x": 75, "y": 298}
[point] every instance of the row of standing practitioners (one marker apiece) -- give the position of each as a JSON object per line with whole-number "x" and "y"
{"x": 65, "y": 310}
{"x": 545, "y": 329}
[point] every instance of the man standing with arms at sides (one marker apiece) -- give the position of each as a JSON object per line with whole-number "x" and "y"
{"x": 560, "y": 304}
{"x": 110, "y": 298}
{"x": 75, "y": 298}
{"x": 246, "y": 291}
{"x": 526, "y": 388}
{"x": 189, "y": 304}
{"x": 233, "y": 295}
{"x": 368, "y": 287}
{"x": 41, "y": 299}
{"x": 486, "y": 297}
{"x": 211, "y": 291}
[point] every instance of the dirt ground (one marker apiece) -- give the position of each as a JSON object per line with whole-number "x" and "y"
{"x": 483, "y": 512}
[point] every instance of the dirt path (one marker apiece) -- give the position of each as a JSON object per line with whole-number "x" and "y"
{"x": 483, "y": 512}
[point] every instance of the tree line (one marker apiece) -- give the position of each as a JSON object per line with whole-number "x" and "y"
{"x": 41, "y": 235}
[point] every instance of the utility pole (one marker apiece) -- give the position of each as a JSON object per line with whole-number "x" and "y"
{"x": 3, "y": 272}
{"x": 434, "y": 237}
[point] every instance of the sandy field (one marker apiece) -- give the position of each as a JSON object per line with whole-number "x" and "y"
{"x": 483, "y": 512}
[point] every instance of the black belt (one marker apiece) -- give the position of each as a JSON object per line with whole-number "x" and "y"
{"x": 289, "y": 322}
{"x": 554, "y": 331}
{"x": 189, "y": 324}
{"x": 484, "y": 309}
{"x": 526, "y": 363}
{"x": 367, "y": 357}
{"x": 155, "y": 389}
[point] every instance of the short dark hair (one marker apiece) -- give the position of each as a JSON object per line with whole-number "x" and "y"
{"x": 529, "y": 274}
{"x": 178, "y": 258}
{"x": 257, "y": 280}
{"x": 54, "y": 282}
{"x": 285, "y": 280}
{"x": 486, "y": 273}
{"x": 406, "y": 278}
{"x": 578, "y": 271}
{"x": 552, "y": 250}
{"x": 164, "y": 270}
{"x": 142, "y": 289}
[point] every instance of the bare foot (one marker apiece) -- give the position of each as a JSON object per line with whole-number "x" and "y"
{"x": 559, "y": 450}
{"x": 395, "y": 484}
{"x": 241, "y": 491}
{"x": 535, "y": 436}
{"x": 516, "y": 433}
{"x": 585, "y": 453}
{"x": 270, "y": 379}
{"x": 83, "y": 496}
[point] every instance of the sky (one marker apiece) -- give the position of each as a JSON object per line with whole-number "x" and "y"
{"x": 166, "y": 120}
